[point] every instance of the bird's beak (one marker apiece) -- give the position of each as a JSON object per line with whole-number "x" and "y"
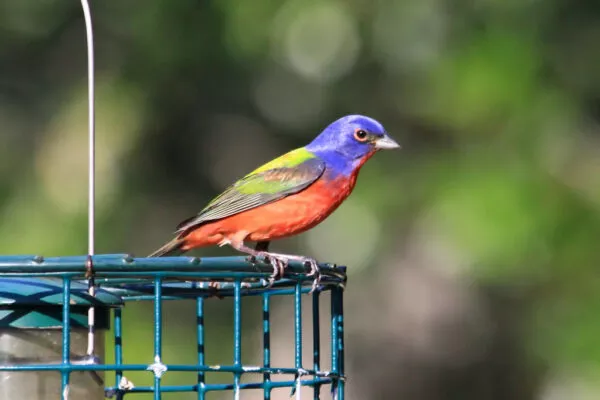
{"x": 386, "y": 143}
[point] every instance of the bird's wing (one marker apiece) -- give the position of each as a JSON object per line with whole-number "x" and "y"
{"x": 275, "y": 180}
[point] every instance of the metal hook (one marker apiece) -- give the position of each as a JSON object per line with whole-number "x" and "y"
{"x": 87, "y": 14}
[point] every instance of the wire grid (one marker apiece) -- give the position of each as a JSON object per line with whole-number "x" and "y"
{"x": 169, "y": 278}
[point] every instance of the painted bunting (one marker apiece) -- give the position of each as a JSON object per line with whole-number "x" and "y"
{"x": 286, "y": 196}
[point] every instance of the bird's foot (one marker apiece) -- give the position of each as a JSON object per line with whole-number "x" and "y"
{"x": 278, "y": 263}
{"x": 314, "y": 271}
{"x": 310, "y": 262}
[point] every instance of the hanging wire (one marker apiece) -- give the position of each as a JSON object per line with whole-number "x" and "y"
{"x": 91, "y": 169}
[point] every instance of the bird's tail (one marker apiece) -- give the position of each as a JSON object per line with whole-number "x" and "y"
{"x": 172, "y": 248}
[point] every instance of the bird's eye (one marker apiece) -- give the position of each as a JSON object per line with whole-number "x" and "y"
{"x": 361, "y": 135}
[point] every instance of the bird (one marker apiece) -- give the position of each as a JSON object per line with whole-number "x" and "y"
{"x": 286, "y": 196}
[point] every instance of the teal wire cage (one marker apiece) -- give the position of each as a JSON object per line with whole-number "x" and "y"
{"x": 53, "y": 293}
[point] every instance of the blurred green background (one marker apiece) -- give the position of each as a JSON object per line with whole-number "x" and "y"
{"x": 472, "y": 252}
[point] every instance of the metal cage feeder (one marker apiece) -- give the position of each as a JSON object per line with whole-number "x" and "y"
{"x": 43, "y": 300}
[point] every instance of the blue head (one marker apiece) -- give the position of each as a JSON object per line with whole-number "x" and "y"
{"x": 348, "y": 142}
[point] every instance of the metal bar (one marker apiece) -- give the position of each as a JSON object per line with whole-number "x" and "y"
{"x": 316, "y": 341}
{"x": 266, "y": 314}
{"x": 298, "y": 337}
{"x": 118, "y": 345}
{"x": 110, "y": 279}
{"x": 183, "y": 294}
{"x": 339, "y": 293}
{"x": 157, "y": 334}
{"x": 229, "y": 386}
{"x": 91, "y": 313}
{"x": 66, "y": 338}
{"x": 298, "y": 326}
{"x": 34, "y": 264}
{"x": 337, "y": 341}
{"x": 237, "y": 337}
{"x": 334, "y": 335}
{"x": 74, "y": 367}
{"x": 92, "y": 163}
{"x": 201, "y": 358}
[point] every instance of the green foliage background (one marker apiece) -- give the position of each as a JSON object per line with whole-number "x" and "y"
{"x": 472, "y": 251}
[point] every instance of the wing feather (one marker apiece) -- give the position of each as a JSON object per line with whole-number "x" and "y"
{"x": 258, "y": 188}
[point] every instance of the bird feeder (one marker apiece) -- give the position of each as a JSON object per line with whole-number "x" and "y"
{"x": 33, "y": 333}
{"x": 41, "y": 359}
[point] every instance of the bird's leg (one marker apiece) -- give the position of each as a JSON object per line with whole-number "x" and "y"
{"x": 278, "y": 263}
{"x": 262, "y": 246}
{"x": 314, "y": 266}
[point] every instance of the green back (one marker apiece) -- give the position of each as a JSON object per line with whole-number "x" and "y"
{"x": 285, "y": 175}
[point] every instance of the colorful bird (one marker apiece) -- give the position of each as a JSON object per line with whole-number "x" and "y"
{"x": 286, "y": 196}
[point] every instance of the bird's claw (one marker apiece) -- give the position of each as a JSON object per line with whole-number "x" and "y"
{"x": 279, "y": 265}
{"x": 314, "y": 271}
{"x": 279, "y": 262}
